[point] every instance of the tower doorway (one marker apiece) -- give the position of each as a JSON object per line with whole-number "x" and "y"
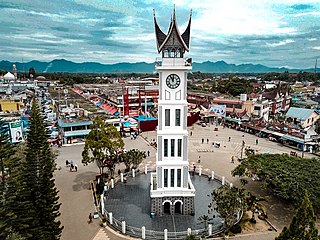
{"x": 166, "y": 208}
{"x": 178, "y": 208}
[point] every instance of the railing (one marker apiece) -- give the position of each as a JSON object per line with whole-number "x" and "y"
{"x": 159, "y": 235}
{"x": 173, "y": 61}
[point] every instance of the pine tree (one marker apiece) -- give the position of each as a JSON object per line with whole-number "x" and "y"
{"x": 303, "y": 225}
{"x": 39, "y": 192}
{"x": 6, "y": 150}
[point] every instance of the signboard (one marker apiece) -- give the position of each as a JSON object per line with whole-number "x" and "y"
{"x": 218, "y": 110}
{"x": 16, "y": 132}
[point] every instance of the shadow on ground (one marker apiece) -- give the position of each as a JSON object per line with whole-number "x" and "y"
{"x": 82, "y": 181}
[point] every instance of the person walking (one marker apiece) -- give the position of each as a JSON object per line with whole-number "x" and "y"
{"x": 90, "y": 217}
{"x": 229, "y": 139}
{"x": 191, "y": 134}
{"x": 76, "y": 167}
{"x": 202, "y": 140}
{"x": 207, "y": 140}
{"x": 257, "y": 141}
{"x": 148, "y": 153}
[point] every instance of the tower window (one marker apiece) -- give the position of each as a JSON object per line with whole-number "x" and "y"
{"x": 178, "y": 177}
{"x": 167, "y": 117}
{"x": 165, "y": 148}
{"x": 179, "y": 147}
{"x": 178, "y": 117}
{"x": 165, "y": 177}
{"x": 172, "y": 178}
{"x": 172, "y": 147}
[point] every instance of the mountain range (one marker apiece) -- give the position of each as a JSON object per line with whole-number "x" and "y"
{"x": 62, "y": 65}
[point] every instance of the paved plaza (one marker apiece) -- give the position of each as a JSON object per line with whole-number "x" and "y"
{"x": 131, "y": 202}
{"x": 76, "y": 197}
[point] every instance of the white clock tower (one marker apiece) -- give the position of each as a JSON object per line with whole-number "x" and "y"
{"x": 172, "y": 191}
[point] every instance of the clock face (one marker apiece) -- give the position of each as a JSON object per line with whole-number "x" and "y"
{"x": 173, "y": 81}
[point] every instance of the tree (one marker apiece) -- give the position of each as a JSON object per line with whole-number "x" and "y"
{"x": 32, "y": 72}
{"x": 285, "y": 175}
{"x": 303, "y": 225}
{"x": 227, "y": 202}
{"x": 6, "y": 172}
{"x": 40, "y": 207}
{"x": 133, "y": 158}
{"x": 190, "y": 237}
{"x": 204, "y": 219}
{"x": 103, "y": 145}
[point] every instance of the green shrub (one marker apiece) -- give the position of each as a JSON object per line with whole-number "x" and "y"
{"x": 236, "y": 229}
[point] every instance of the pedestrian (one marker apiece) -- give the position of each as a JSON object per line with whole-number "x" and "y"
{"x": 76, "y": 167}
{"x": 232, "y": 159}
{"x": 199, "y": 160}
{"x": 67, "y": 162}
{"x": 229, "y": 139}
{"x": 207, "y": 140}
{"x": 257, "y": 141}
{"x": 202, "y": 140}
{"x": 71, "y": 167}
{"x": 90, "y": 217}
{"x": 148, "y": 153}
{"x": 194, "y": 168}
{"x": 119, "y": 172}
{"x": 191, "y": 134}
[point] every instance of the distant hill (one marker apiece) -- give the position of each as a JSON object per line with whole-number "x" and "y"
{"x": 62, "y": 65}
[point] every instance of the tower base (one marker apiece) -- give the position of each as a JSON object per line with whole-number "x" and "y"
{"x": 172, "y": 205}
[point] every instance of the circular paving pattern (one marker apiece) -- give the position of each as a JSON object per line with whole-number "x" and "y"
{"x": 130, "y": 202}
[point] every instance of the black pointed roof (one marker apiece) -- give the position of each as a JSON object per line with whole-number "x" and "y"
{"x": 162, "y": 38}
{"x": 186, "y": 34}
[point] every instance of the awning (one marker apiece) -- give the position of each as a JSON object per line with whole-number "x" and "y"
{"x": 277, "y": 134}
{"x": 258, "y": 128}
{"x": 232, "y": 119}
{"x": 294, "y": 139}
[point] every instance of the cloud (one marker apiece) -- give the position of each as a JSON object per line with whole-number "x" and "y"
{"x": 269, "y": 32}
{"x": 301, "y": 6}
{"x": 281, "y": 43}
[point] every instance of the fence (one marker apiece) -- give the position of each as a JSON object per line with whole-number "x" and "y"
{"x": 143, "y": 233}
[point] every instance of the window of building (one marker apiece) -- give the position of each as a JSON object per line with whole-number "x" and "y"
{"x": 178, "y": 117}
{"x": 165, "y": 177}
{"x": 172, "y": 147}
{"x": 179, "y": 147}
{"x": 178, "y": 177}
{"x": 172, "y": 178}
{"x": 165, "y": 148}
{"x": 167, "y": 117}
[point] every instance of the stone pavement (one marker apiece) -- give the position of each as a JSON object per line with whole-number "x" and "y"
{"x": 75, "y": 195}
{"x": 76, "y": 198}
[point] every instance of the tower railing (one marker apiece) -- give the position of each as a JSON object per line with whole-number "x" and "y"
{"x": 187, "y": 62}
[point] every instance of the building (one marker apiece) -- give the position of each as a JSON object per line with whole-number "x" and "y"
{"x": 11, "y": 105}
{"x": 171, "y": 190}
{"x": 301, "y": 117}
{"x": 279, "y": 99}
{"x": 73, "y": 130}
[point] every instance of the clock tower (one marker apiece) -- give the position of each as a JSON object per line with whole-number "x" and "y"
{"x": 172, "y": 191}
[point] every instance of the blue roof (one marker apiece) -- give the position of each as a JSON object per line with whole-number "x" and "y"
{"x": 74, "y": 124}
{"x": 299, "y": 113}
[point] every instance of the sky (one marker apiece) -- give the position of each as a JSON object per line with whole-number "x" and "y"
{"x": 275, "y": 33}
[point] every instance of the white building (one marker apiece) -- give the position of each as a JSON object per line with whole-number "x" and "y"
{"x": 172, "y": 191}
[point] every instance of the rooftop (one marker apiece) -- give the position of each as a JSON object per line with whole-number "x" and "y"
{"x": 299, "y": 113}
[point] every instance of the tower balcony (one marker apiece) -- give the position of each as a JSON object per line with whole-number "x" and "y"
{"x": 173, "y": 63}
